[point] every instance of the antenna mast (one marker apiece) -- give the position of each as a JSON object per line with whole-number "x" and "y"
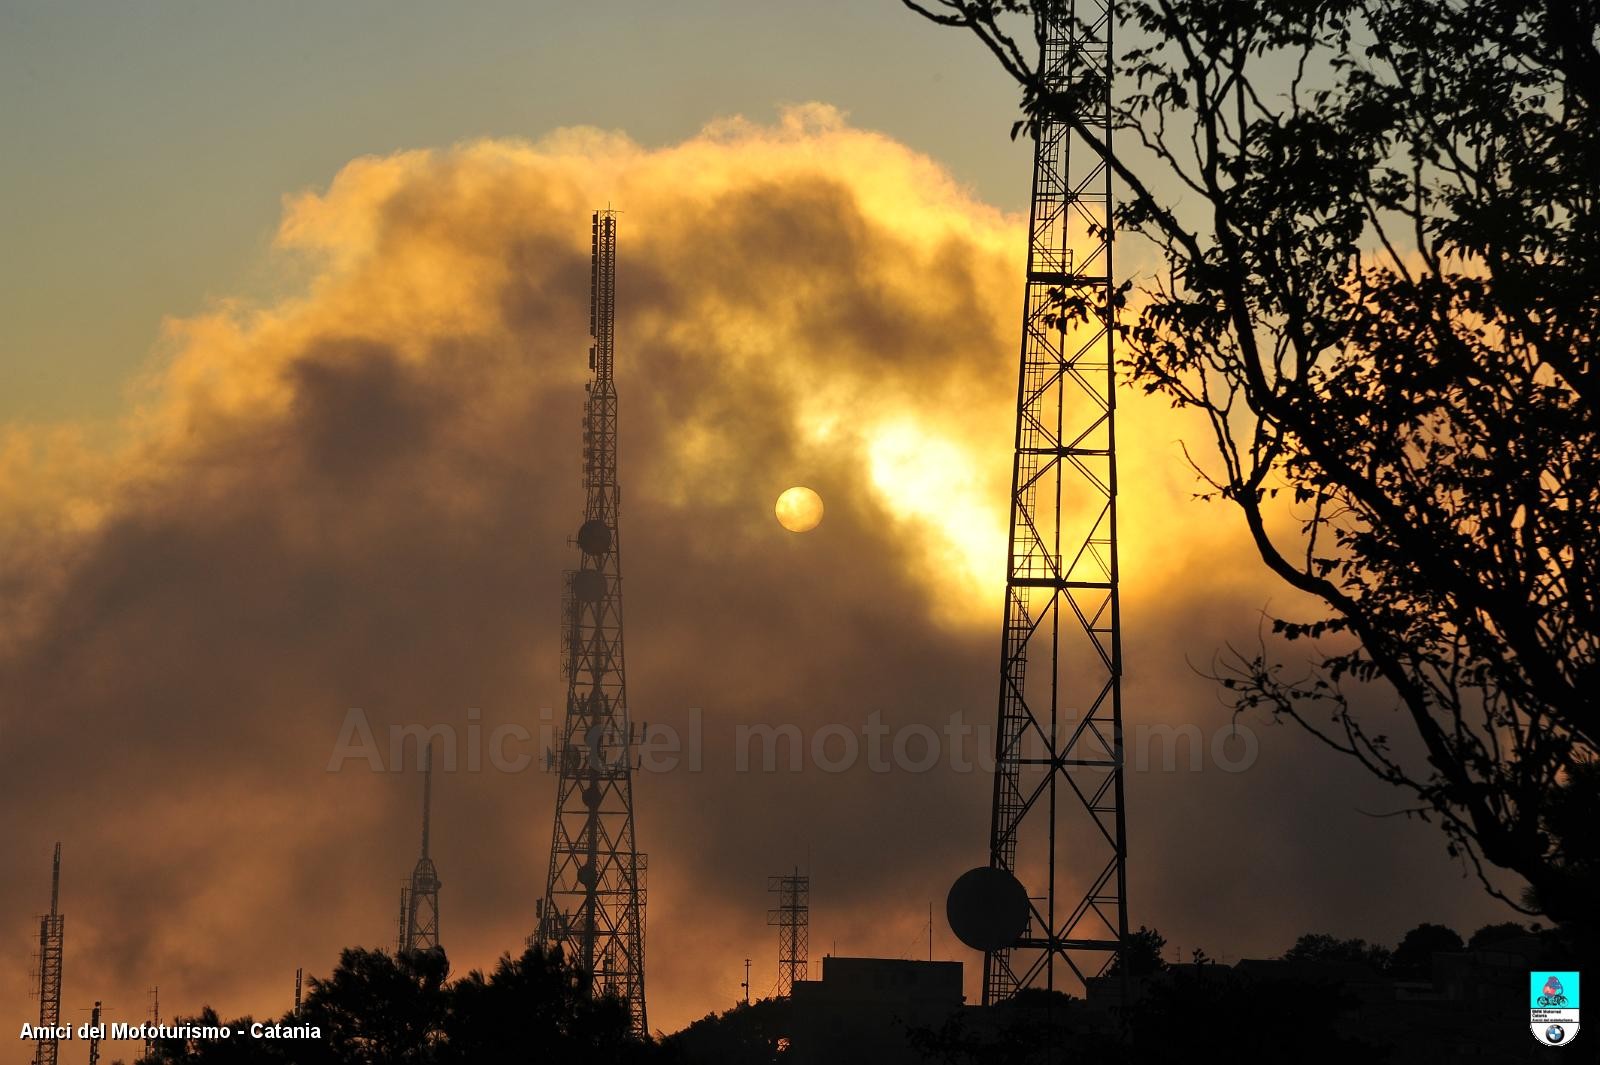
{"x": 94, "y": 1035}
{"x": 593, "y": 904}
{"x": 155, "y": 1021}
{"x": 52, "y": 938}
{"x": 1058, "y": 784}
{"x": 419, "y": 901}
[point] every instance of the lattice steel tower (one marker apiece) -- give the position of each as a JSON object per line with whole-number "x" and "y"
{"x": 793, "y": 918}
{"x": 1058, "y": 789}
{"x": 52, "y": 937}
{"x": 593, "y": 905}
{"x": 419, "y": 900}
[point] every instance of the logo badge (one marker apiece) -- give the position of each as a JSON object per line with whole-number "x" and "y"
{"x": 1553, "y": 1007}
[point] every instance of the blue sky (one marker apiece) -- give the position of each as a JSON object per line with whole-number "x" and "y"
{"x": 148, "y": 145}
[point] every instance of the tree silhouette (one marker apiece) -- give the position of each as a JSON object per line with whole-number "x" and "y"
{"x": 236, "y": 1050}
{"x": 377, "y": 1009}
{"x": 1316, "y": 947}
{"x": 1498, "y": 932}
{"x": 1035, "y": 1026}
{"x": 1413, "y": 958}
{"x": 1141, "y": 953}
{"x": 535, "y": 1008}
{"x": 1569, "y": 820}
{"x": 1382, "y": 291}
{"x": 1222, "y": 1016}
{"x": 382, "y": 1009}
{"x": 749, "y": 1034}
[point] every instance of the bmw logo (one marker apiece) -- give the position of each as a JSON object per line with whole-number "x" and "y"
{"x": 1555, "y": 1033}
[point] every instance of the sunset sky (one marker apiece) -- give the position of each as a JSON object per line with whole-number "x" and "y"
{"x": 293, "y": 321}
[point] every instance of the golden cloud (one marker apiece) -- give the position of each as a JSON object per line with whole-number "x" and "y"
{"x": 361, "y": 494}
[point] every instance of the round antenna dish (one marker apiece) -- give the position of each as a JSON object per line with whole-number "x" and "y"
{"x": 987, "y": 908}
{"x": 594, "y": 537}
{"x": 588, "y": 586}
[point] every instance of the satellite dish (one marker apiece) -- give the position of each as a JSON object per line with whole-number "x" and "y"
{"x": 594, "y": 537}
{"x": 987, "y": 908}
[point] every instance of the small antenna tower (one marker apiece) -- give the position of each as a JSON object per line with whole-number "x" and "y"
{"x": 52, "y": 937}
{"x": 155, "y": 1021}
{"x": 793, "y": 918}
{"x": 419, "y": 901}
{"x": 94, "y": 1035}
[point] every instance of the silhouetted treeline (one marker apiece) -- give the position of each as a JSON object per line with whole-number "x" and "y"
{"x": 381, "y": 1009}
{"x": 1325, "y": 1001}
{"x": 1331, "y": 999}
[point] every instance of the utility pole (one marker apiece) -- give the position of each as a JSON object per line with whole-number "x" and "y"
{"x": 746, "y": 985}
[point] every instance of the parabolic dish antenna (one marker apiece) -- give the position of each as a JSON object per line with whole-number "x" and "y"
{"x": 589, "y": 585}
{"x": 594, "y": 537}
{"x": 987, "y": 908}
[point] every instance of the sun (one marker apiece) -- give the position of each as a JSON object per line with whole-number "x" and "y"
{"x": 799, "y": 509}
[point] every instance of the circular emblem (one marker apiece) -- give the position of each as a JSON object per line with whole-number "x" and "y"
{"x": 1555, "y": 1033}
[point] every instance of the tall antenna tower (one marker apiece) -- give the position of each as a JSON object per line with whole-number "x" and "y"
{"x": 52, "y": 938}
{"x": 419, "y": 900}
{"x": 1058, "y": 787}
{"x": 793, "y": 918}
{"x": 593, "y": 905}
